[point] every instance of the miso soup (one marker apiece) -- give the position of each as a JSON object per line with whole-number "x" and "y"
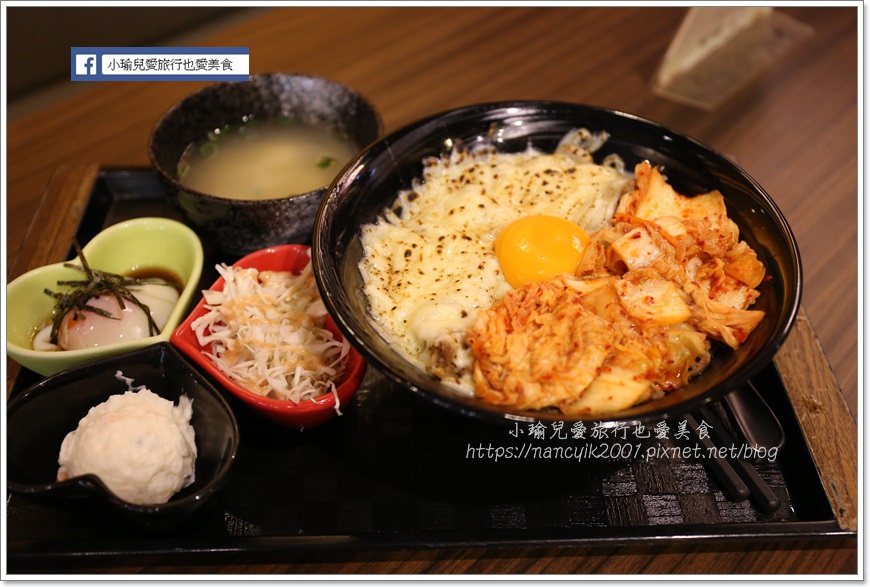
{"x": 263, "y": 160}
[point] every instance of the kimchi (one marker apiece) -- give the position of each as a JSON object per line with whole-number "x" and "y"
{"x": 635, "y": 320}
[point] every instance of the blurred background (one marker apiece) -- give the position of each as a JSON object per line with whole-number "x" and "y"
{"x": 39, "y": 41}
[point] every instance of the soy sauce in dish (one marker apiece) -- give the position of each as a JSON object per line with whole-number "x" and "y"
{"x": 157, "y": 274}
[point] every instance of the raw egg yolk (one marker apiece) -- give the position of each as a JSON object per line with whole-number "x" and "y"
{"x": 539, "y": 247}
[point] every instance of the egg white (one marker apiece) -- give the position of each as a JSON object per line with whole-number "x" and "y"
{"x": 129, "y": 323}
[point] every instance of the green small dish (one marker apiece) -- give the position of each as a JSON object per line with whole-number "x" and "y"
{"x": 122, "y": 248}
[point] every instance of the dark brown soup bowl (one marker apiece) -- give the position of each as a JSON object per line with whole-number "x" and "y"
{"x": 371, "y": 183}
{"x": 235, "y": 226}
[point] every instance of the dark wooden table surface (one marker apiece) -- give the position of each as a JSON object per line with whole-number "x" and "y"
{"x": 795, "y": 130}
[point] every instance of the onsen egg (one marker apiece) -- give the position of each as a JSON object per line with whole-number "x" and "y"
{"x": 539, "y": 247}
{"x": 130, "y": 323}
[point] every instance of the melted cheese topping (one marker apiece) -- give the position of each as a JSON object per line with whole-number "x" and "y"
{"x": 429, "y": 266}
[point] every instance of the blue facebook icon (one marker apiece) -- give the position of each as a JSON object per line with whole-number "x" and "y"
{"x": 86, "y": 65}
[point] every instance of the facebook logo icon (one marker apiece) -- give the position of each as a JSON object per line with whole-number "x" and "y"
{"x": 86, "y": 65}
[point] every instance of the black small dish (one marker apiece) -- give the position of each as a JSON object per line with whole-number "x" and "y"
{"x": 40, "y": 417}
{"x": 371, "y": 183}
{"x": 239, "y": 227}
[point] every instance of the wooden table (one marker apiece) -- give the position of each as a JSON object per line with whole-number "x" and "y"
{"x": 794, "y": 130}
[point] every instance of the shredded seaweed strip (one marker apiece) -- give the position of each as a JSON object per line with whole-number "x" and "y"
{"x": 98, "y": 283}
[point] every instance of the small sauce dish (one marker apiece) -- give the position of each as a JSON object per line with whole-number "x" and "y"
{"x": 123, "y": 248}
{"x": 307, "y": 413}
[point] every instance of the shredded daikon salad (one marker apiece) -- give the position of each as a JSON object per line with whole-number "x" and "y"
{"x": 266, "y": 331}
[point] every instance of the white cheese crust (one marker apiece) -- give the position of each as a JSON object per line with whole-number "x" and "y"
{"x": 429, "y": 266}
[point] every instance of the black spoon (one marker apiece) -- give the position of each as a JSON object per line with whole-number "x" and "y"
{"x": 757, "y": 423}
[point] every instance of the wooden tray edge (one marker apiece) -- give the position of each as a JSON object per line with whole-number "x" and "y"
{"x": 827, "y": 423}
{"x": 49, "y": 234}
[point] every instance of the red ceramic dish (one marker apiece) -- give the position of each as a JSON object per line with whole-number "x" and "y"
{"x": 304, "y": 414}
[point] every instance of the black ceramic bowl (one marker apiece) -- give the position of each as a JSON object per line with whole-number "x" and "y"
{"x": 371, "y": 183}
{"x": 243, "y": 226}
{"x": 41, "y": 416}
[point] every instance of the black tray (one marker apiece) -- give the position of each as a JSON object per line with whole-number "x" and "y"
{"x": 396, "y": 472}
